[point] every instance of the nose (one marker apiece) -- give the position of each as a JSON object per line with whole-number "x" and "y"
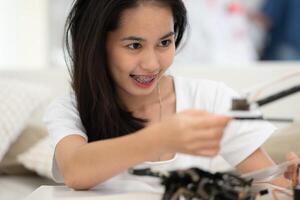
{"x": 150, "y": 61}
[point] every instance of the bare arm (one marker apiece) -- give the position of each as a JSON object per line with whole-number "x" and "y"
{"x": 259, "y": 160}
{"x": 84, "y": 165}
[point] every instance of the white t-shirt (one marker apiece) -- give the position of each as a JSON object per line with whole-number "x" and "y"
{"x": 239, "y": 141}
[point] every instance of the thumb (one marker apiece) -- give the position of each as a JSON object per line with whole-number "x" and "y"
{"x": 291, "y": 156}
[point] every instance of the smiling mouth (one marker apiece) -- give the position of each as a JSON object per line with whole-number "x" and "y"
{"x": 144, "y": 79}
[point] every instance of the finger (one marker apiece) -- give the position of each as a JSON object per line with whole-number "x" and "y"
{"x": 210, "y": 134}
{"x": 291, "y": 168}
{"x": 291, "y": 172}
{"x": 210, "y": 144}
{"x": 287, "y": 175}
{"x": 208, "y": 152}
{"x": 194, "y": 112}
{"x": 291, "y": 156}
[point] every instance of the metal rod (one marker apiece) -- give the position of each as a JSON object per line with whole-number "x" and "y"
{"x": 281, "y": 120}
{"x": 279, "y": 95}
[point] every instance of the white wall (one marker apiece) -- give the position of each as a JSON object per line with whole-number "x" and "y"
{"x": 23, "y": 34}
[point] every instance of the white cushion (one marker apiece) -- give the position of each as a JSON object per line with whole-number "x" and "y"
{"x": 39, "y": 158}
{"x": 18, "y": 100}
{"x": 29, "y": 137}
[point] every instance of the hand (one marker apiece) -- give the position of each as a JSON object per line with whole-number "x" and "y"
{"x": 193, "y": 132}
{"x": 292, "y": 171}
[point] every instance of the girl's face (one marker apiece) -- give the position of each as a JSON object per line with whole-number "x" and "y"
{"x": 141, "y": 49}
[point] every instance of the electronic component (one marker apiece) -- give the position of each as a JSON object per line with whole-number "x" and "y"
{"x": 197, "y": 184}
{"x": 243, "y": 109}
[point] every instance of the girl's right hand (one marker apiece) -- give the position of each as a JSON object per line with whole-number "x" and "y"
{"x": 292, "y": 171}
{"x": 193, "y": 132}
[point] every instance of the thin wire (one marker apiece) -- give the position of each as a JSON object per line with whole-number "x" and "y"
{"x": 160, "y": 107}
{"x": 160, "y": 102}
{"x": 258, "y": 93}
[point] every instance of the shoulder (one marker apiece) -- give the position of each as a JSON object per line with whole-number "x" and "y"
{"x": 203, "y": 87}
{"x": 62, "y": 118}
{"x": 194, "y": 83}
{"x": 63, "y": 107}
{"x": 67, "y": 101}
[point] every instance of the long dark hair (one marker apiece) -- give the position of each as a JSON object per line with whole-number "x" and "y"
{"x": 86, "y": 32}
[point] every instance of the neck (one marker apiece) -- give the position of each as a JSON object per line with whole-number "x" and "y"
{"x": 142, "y": 103}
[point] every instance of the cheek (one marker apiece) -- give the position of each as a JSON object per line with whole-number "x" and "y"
{"x": 120, "y": 60}
{"x": 167, "y": 58}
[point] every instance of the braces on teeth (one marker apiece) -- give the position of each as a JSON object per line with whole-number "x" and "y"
{"x": 143, "y": 79}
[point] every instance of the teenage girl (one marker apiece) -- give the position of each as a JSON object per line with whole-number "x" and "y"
{"x": 125, "y": 112}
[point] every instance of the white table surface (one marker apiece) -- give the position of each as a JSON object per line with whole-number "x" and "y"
{"x": 65, "y": 193}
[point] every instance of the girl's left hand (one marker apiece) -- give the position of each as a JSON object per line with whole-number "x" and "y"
{"x": 292, "y": 171}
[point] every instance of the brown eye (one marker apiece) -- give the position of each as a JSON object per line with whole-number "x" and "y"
{"x": 165, "y": 43}
{"x": 134, "y": 46}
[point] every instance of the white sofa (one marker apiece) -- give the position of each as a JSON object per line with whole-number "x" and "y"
{"x": 15, "y": 181}
{"x": 17, "y": 186}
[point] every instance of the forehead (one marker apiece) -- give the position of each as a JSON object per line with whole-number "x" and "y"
{"x": 146, "y": 19}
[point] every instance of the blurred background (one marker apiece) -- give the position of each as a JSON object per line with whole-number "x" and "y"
{"x": 250, "y": 45}
{"x": 222, "y": 32}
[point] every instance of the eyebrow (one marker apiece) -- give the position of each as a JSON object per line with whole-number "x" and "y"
{"x": 134, "y": 38}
